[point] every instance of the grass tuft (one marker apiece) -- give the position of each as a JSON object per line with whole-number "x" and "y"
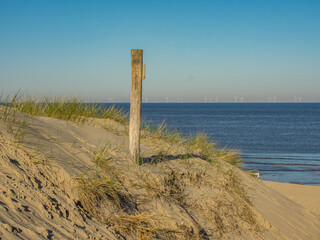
{"x": 95, "y": 188}
{"x": 161, "y": 131}
{"x": 201, "y": 145}
{"x": 15, "y": 121}
{"x": 141, "y": 226}
{"x": 101, "y": 158}
{"x": 198, "y": 144}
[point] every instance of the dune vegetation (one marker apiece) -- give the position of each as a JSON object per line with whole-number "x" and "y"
{"x": 185, "y": 187}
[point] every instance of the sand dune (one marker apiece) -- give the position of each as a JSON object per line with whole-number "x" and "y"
{"x": 176, "y": 198}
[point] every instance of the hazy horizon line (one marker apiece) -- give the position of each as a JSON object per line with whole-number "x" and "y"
{"x": 204, "y": 102}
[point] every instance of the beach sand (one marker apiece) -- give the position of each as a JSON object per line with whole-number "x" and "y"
{"x": 39, "y": 197}
{"x": 305, "y": 195}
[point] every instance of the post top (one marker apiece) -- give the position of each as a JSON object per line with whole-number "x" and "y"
{"x": 136, "y": 50}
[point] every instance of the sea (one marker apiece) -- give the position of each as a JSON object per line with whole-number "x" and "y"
{"x": 280, "y": 141}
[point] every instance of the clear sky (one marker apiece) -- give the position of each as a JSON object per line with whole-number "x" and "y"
{"x": 193, "y": 49}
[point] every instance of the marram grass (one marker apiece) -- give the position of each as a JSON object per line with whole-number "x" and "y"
{"x": 201, "y": 145}
{"x": 70, "y": 109}
{"x": 196, "y": 144}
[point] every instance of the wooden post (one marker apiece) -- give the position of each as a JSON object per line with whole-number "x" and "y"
{"x": 137, "y": 75}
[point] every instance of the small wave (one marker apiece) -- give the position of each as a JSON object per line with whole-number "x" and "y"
{"x": 281, "y": 158}
{"x": 288, "y": 170}
{"x": 283, "y": 164}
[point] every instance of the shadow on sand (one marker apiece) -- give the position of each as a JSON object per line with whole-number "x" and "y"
{"x": 154, "y": 159}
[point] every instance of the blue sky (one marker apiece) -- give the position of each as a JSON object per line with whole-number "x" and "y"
{"x": 192, "y": 49}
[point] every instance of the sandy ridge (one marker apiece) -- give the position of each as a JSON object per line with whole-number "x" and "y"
{"x": 38, "y": 201}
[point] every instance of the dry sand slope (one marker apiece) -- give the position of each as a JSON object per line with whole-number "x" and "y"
{"x": 63, "y": 180}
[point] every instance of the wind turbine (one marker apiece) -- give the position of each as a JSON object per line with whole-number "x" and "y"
{"x": 167, "y": 99}
{"x": 235, "y": 98}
